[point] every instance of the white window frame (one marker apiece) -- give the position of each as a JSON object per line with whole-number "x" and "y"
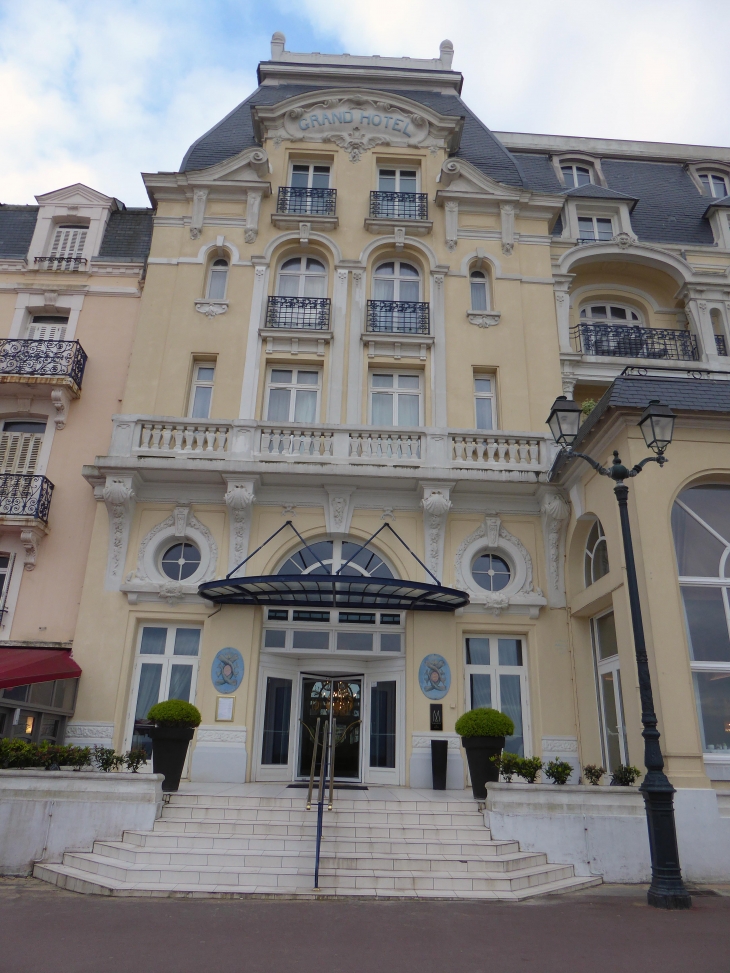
{"x": 494, "y": 670}
{"x": 590, "y": 555}
{"x": 491, "y": 396}
{"x": 483, "y": 283}
{"x": 398, "y": 169}
{"x": 294, "y": 386}
{"x": 602, "y": 667}
{"x": 332, "y": 628}
{"x": 310, "y": 174}
{"x": 198, "y": 383}
{"x": 710, "y": 175}
{"x": 395, "y": 372}
{"x": 167, "y": 660}
{"x": 573, "y": 165}
{"x": 215, "y": 271}
{"x": 302, "y": 275}
{"x": 397, "y": 278}
{"x": 608, "y": 304}
{"x": 603, "y": 217}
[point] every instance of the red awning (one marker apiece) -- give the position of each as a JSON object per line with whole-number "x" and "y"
{"x": 18, "y": 667}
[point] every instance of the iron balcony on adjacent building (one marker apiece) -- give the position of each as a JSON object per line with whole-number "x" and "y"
{"x": 299, "y": 201}
{"x": 301, "y": 313}
{"x": 398, "y": 317}
{"x": 24, "y": 495}
{"x": 398, "y": 206}
{"x": 42, "y": 362}
{"x": 60, "y": 263}
{"x": 627, "y": 341}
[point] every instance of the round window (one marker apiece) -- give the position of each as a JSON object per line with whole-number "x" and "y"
{"x": 491, "y": 572}
{"x": 181, "y": 561}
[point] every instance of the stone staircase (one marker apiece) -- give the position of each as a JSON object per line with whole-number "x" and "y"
{"x": 264, "y": 846}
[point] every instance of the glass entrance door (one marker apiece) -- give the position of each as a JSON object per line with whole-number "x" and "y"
{"x": 340, "y": 696}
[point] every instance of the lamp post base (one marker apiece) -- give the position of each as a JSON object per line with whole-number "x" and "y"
{"x": 668, "y": 900}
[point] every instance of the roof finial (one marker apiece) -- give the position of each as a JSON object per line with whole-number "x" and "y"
{"x": 277, "y": 45}
{"x": 446, "y": 50}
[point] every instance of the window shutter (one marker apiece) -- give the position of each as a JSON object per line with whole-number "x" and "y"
{"x": 19, "y": 452}
{"x": 69, "y": 241}
{"x": 46, "y": 332}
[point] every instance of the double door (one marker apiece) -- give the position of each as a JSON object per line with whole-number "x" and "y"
{"x": 366, "y": 709}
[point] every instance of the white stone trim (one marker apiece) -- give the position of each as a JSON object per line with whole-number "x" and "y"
{"x": 436, "y": 506}
{"x": 555, "y": 512}
{"x": 338, "y": 509}
{"x": 240, "y": 498}
{"x": 119, "y": 496}
{"x": 89, "y": 733}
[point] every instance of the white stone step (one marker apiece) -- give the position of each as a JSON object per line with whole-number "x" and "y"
{"x": 309, "y": 827}
{"x": 235, "y": 801}
{"x": 338, "y": 815}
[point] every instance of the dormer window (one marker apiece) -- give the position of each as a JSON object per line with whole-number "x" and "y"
{"x": 713, "y": 184}
{"x": 68, "y": 241}
{"x": 575, "y": 175}
{"x": 592, "y": 229}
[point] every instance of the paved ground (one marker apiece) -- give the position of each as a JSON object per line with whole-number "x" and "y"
{"x": 608, "y": 930}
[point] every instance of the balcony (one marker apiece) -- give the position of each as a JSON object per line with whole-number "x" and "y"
{"x": 298, "y": 313}
{"x": 626, "y": 341}
{"x": 43, "y": 362}
{"x": 306, "y": 202}
{"x": 25, "y": 495}
{"x": 721, "y": 345}
{"x": 60, "y": 263}
{"x": 398, "y": 206}
{"x": 143, "y": 442}
{"x": 398, "y": 317}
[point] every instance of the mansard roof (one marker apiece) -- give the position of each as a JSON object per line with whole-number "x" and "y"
{"x": 235, "y": 132}
{"x": 127, "y": 235}
{"x": 17, "y": 224}
{"x": 592, "y": 191}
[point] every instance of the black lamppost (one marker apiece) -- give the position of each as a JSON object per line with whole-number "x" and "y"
{"x": 667, "y": 890}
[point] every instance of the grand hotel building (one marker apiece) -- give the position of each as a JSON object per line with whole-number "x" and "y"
{"x": 358, "y": 308}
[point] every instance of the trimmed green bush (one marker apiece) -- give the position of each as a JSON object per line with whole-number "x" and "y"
{"x": 19, "y": 754}
{"x": 558, "y": 771}
{"x": 175, "y": 712}
{"x": 508, "y": 764}
{"x": 484, "y": 722}
{"x": 625, "y": 776}
{"x": 593, "y": 774}
{"x": 528, "y": 769}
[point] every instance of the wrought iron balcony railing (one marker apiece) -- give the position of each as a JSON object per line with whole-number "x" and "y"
{"x": 398, "y": 317}
{"x": 60, "y": 263}
{"x": 307, "y": 313}
{"x": 595, "y": 239}
{"x": 626, "y": 341}
{"x": 399, "y": 206}
{"x": 43, "y": 359}
{"x": 25, "y": 495}
{"x": 721, "y": 345}
{"x": 306, "y": 202}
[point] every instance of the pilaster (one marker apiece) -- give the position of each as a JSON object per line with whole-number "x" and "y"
{"x": 555, "y": 512}
{"x": 240, "y": 498}
{"x": 337, "y": 348}
{"x": 253, "y": 344}
{"x": 438, "y": 360}
{"x": 120, "y": 497}
{"x": 354, "y": 365}
{"x": 436, "y": 506}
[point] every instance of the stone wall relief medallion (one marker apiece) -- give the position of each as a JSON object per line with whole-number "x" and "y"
{"x": 227, "y": 670}
{"x": 434, "y": 676}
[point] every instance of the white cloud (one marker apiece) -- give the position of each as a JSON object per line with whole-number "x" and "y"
{"x": 97, "y": 92}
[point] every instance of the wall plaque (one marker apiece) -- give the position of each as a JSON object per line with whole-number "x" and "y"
{"x": 227, "y": 670}
{"x": 437, "y": 717}
{"x": 434, "y": 676}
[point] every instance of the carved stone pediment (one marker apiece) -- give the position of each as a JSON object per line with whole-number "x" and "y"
{"x": 357, "y": 121}
{"x": 460, "y": 177}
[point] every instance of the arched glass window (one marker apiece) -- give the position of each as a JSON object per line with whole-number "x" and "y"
{"x": 701, "y": 528}
{"x": 714, "y": 184}
{"x": 575, "y": 175}
{"x": 302, "y": 277}
{"x": 218, "y": 280}
{"x": 396, "y": 280}
{"x": 609, "y": 314}
{"x": 333, "y": 554}
{"x": 596, "y": 554}
{"x": 491, "y": 572}
{"x": 478, "y": 284}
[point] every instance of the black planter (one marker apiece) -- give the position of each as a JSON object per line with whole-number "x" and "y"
{"x": 169, "y": 748}
{"x": 439, "y": 755}
{"x": 482, "y": 771}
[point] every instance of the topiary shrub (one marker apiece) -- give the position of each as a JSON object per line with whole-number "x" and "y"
{"x": 175, "y": 712}
{"x": 625, "y": 776}
{"x": 593, "y": 774}
{"x": 528, "y": 769}
{"x": 484, "y": 722}
{"x": 558, "y": 771}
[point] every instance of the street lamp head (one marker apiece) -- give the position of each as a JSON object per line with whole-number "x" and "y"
{"x": 657, "y": 426}
{"x": 564, "y": 420}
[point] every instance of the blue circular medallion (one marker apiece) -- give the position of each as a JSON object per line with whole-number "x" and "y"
{"x": 227, "y": 670}
{"x": 434, "y": 677}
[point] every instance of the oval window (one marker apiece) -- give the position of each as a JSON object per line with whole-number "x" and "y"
{"x": 181, "y": 561}
{"x": 491, "y": 572}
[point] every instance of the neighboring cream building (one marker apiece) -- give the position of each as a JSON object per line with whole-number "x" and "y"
{"x": 360, "y": 305}
{"x": 71, "y": 276}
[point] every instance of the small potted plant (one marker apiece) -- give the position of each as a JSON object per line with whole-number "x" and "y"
{"x": 482, "y": 733}
{"x": 175, "y": 720}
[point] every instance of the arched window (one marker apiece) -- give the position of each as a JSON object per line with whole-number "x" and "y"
{"x": 218, "y": 280}
{"x": 302, "y": 277}
{"x": 479, "y": 293}
{"x": 396, "y": 280}
{"x": 596, "y": 554}
{"x": 609, "y": 314}
{"x": 574, "y": 174}
{"x": 714, "y": 184}
{"x": 701, "y": 529}
{"x": 333, "y": 554}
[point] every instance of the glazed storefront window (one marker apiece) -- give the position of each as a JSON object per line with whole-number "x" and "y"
{"x": 701, "y": 528}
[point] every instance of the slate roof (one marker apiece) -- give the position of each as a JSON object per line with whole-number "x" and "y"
{"x": 682, "y": 394}
{"x": 598, "y": 192}
{"x": 127, "y": 235}
{"x": 724, "y": 202}
{"x": 17, "y": 224}
{"x": 235, "y": 132}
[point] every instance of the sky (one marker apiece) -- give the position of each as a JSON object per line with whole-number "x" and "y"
{"x": 97, "y": 91}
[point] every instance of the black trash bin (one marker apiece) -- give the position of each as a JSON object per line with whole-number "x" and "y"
{"x": 439, "y": 753}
